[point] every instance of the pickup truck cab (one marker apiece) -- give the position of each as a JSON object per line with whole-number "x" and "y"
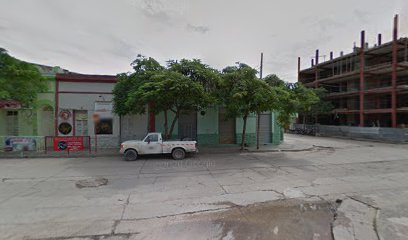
{"x": 153, "y": 144}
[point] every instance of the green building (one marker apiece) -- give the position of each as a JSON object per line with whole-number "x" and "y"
{"x": 212, "y": 127}
{"x": 30, "y": 124}
{"x": 25, "y": 129}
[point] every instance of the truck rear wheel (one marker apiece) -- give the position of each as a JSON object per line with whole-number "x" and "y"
{"x": 178, "y": 154}
{"x": 130, "y": 155}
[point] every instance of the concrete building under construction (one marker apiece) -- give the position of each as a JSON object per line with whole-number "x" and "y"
{"x": 368, "y": 87}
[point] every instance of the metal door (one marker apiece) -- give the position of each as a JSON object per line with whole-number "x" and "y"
{"x": 12, "y": 123}
{"x": 265, "y": 128}
{"x": 187, "y": 126}
{"x": 133, "y": 127}
{"x": 226, "y": 129}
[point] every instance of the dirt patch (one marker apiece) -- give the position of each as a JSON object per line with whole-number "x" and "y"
{"x": 91, "y": 183}
{"x": 286, "y": 219}
{"x": 279, "y": 220}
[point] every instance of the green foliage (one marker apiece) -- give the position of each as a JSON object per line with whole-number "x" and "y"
{"x": 297, "y": 99}
{"x": 189, "y": 85}
{"x": 144, "y": 70}
{"x": 19, "y": 80}
{"x": 322, "y": 106}
{"x": 274, "y": 81}
{"x": 243, "y": 93}
{"x": 143, "y": 65}
{"x": 179, "y": 88}
{"x": 194, "y": 69}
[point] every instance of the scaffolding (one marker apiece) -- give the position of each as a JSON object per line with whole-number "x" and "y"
{"x": 368, "y": 87}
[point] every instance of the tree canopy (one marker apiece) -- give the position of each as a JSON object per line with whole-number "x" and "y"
{"x": 189, "y": 85}
{"x": 244, "y": 94}
{"x": 297, "y": 99}
{"x": 19, "y": 81}
{"x": 197, "y": 71}
{"x": 178, "y": 88}
{"x": 274, "y": 81}
{"x": 144, "y": 71}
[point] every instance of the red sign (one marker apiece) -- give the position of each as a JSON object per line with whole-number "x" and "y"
{"x": 73, "y": 144}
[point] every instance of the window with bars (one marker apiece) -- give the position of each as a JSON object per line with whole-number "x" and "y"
{"x": 81, "y": 123}
{"x": 12, "y": 123}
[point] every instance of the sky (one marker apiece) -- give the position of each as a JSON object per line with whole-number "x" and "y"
{"x": 105, "y": 36}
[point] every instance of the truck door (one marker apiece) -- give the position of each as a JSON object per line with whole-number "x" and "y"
{"x": 152, "y": 144}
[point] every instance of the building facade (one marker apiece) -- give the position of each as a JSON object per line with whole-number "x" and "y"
{"x": 23, "y": 127}
{"x": 80, "y": 106}
{"x": 368, "y": 87}
{"x": 84, "y": 108}
{"x": 212, "y": 127}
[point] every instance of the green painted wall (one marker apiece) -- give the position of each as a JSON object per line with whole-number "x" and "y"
{"x": 29, "y": 120}
{"x": 277, "y": 131}
{"x": 2, "y": 122}
{"x": 48, "y": 96}
{"x": 160, "y": 123}
{"x": 207, "y": 126}
{"x": 250, "y": 130}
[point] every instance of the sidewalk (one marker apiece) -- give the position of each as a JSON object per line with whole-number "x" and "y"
{"x": 53, "y": 154}
{"x": 292, "y": 143}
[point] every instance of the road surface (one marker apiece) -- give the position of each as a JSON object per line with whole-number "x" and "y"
{"x": 341, "y": 188}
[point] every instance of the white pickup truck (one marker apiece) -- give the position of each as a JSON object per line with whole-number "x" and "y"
{"x": 153, "y": 144}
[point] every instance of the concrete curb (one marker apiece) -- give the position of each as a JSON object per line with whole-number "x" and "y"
{"x": 218, "y": 150}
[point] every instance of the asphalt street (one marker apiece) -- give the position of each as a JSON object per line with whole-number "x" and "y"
{"x": 341, "y": 189}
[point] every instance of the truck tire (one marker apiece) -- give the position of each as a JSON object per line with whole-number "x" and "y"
{"x": 130, "y": 155}
{"x": 178, "y": 154}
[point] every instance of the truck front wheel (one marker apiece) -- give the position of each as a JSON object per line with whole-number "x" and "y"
{"x": 178, "y": 154}
{"x": 130, "y": 155}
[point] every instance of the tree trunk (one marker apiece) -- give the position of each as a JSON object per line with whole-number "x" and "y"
{"x": 304, "y": 121}
{"x": 120, "y": 129}
{"x": 258, "y": 121}
{"x": 173, "y": 123}
{"x": 244, "y": 132}
{"x": 166, "y": 127}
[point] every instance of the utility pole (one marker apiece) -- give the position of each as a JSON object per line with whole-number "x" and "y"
{"x": 258, "y": 120}
{"x": 261, "y": 70}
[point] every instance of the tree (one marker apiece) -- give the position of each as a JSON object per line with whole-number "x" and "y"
{"x": 274, "y": 81}
{"x": 294, "y": 98}
{"x": 19, "y": 81}
{"x": 287, "y": 109}
{"x": 321, "y": 107}
{"x": 177, "y": 88}
{"x": 171, "y": 92}
{"x": 243, "y": 93}
{"x": 144, "y": 69}
{"x": 265, "y": 99}
{"x": 276, "y": 85}
{"x": 197, "y": 71}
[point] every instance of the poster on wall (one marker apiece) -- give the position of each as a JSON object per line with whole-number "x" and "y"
{"x": 72, "y": 144}
{"x": 20, "y": 144}
{"x": 65, "y": 122}
{"x": 103, "y": 118}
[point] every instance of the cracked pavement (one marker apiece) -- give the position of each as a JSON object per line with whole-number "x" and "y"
{"x": 239, "y": 195}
